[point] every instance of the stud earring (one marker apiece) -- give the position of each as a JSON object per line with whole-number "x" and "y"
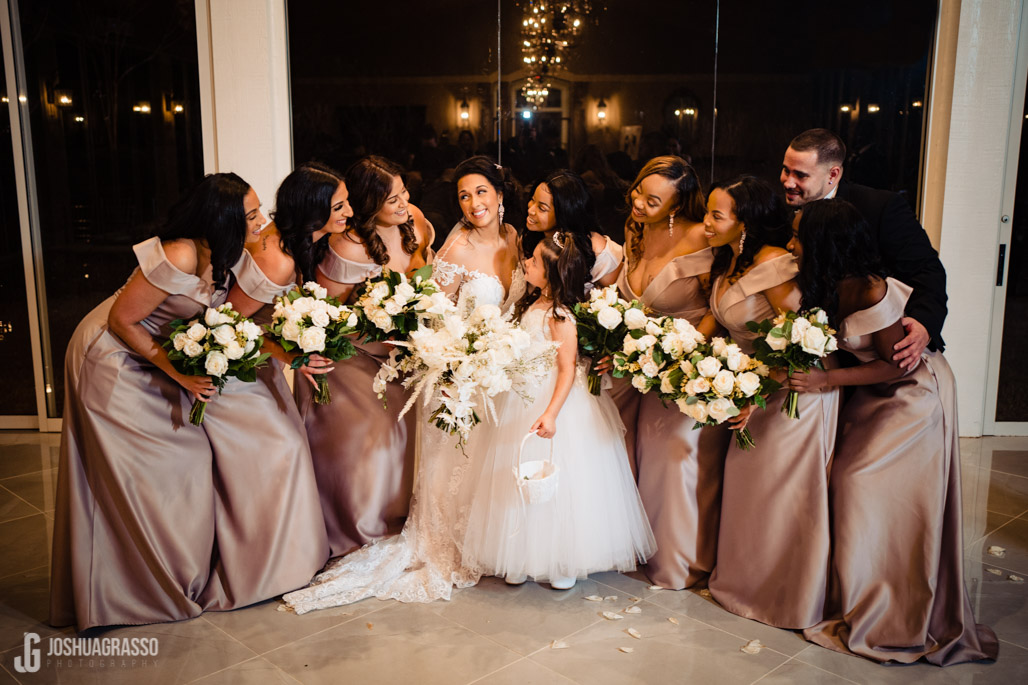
{"x": 671, "y": 225}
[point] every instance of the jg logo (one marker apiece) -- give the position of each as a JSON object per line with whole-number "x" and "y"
{"x": 29, "y": 661}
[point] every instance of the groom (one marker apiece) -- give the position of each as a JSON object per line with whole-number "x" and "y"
{"x": 811, "y": 171}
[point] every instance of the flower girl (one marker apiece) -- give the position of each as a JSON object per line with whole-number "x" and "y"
{"x": 595, "y": 521}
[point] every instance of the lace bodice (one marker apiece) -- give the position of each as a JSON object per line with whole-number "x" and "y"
{"x": 478, "y": 288}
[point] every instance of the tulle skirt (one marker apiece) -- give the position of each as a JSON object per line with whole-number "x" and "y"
{"x": 594, "y": 523}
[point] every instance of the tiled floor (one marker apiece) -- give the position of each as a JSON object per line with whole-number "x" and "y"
{"x": 497, "y": 634}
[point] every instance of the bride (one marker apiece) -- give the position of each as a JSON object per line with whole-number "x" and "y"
{"x": 479, "y": 264}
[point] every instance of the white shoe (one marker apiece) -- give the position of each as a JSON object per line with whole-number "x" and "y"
{"x": 563, "y": 583}
{"x": 515, "y": 580}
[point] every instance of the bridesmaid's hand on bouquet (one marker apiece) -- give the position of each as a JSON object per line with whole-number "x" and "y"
{"x": 317, "y": 365}
{"x": 199, "y": 387}
{"x": 811, "y": 380}
{"x": 545, "y": 426}
{"x": 603, "y": 365}
{"x": 739, "y": 422}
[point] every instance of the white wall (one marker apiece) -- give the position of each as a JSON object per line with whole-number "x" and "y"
{"x": 982, "y": 91}
{"x": 244, "y": 91}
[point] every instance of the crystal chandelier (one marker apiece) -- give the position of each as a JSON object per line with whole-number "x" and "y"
{"x": 549, "y": 30}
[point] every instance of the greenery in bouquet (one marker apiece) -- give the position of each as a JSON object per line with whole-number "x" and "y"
{"x": 221, "y": 345}
{"x": 308, "y": 320}
{"x": 716, "y": 382}
{"x": 392, "y": 305}
{"x": 794, "y": 341}
{"x": 603, "y": 322}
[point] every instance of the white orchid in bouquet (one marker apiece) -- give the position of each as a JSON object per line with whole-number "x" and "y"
{"x": 795, "y": 341}
{"x": 307, "y": 319}
{"x": 463, "y": 364}
{"x": 716, "y": 382}
{"x": 221, "y": 345}
{"x": 651, "y": 353}
{"x": 392, "y": 305}
{"x": 603, "y": 322}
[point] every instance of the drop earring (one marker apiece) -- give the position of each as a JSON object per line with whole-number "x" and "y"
{"x": 500, "y": 213}
{"x": 742, "y": 240}
{"x": 671, "y": 225}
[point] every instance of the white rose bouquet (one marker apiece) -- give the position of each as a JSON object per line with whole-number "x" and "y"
{"x": 391, "y": 305}
{"x": 795, "y": 342}
{"x": 651, "y": 354}
{"x": 716, "y": 382}
{"x": 463, "y": 363}
{"x": 221, "y": 345}
{"x": 603, "y": 322}
{"x": 309, "y": 320}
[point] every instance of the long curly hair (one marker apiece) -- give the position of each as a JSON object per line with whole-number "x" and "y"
{"x": 370, "y": 182}
{"x": 212, "y": 210}
{"x": 766, "y": 217}
{"x": 574, "y": 211}
{"x": 689, "y": 203}
{"x": 303, "y": 204}
{"x": 837, "y": 244}
{"x": 502, "y": 181}
{"x": 567, "y": 271}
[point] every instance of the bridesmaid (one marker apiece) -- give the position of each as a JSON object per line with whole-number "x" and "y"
{"x": 364, "y": 457}
{"x": 897, "y": 575}
{"x": 678, "y": 468}
{"x": 562, "y": 201}
{"x": 134, "y": 528}
{"x": 772, "y": 555}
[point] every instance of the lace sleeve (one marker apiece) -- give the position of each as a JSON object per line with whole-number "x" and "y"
{"x": 445, "y": 272}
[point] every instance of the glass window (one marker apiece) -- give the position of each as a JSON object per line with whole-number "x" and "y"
{"x": 112, "y": 95}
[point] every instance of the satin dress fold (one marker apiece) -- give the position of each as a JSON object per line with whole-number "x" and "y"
{"x": 134, "y": 520}
{"x": 607, "y": 260}
{"x": 270, "y": 532}
{"x": 363, "y": 457}
{"x": 678, "y": 469}
{"x": 896, "y": 589}
{"x": 773, "y": 544}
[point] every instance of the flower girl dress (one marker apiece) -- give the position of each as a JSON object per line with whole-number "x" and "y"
{"x": 595, "y": 522}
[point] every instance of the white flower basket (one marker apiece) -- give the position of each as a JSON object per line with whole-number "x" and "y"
{"x": 536, "y": 480}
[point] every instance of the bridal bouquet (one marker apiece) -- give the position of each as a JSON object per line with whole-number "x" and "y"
{"x": 716, "y": 382}
{"x": 795, "y": 342}
{"x": 223, "y": 344}
{"x": 603, "y": 322}
{"x": 309, "y": 320}
{"x": 464, "y": 362}
{"x": 652, "y": 354}
{"x": 391, "y": 305}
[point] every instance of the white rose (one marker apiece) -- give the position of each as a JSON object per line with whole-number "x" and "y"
{"x": 302, "y": 305}
{"x": 320, "y": 318}
{"x": 439, "y": 303}
{"x": 832, "y": 345}
{"x": 291, "y": 331}
{"x": 486, "y": 312}
{"x": 640, "y": 383}
{"x": 404, "y": 293}
{"x": 629, "y": 346}
{"x": 197, "y": 331}
{"x": 776, "y": 342}
{"x": 799, "y": 327}
{"x": 180, "y": 341}
{"x": 392, "y": 307}
{"x": 250, "y": 344}
{"x": 316, "y": 290}
{"x": 718, "y": 347}
{"x": 820, "y": 317}
{"x": 212, "y": 317}
{"x": 312, "y": 339}
{"x": 698, "y": 386}
{"x": 645, "y": 342}
{"x": 738, "y": 362}
{"x": 381, "y": 319}
{"x": 762, "y": 370}
{"x": 216, "y": 364}
{"x": 351, "y": 321}
{"x": 192, "y": 348}
{"x": 724, "y": 382}
{"x": 609, "y": 318}
{"x": 223, "y": 335}
{"x": 379, "y": 292}
{"x": 814, "y": 341}
{"x": 722, "y": 409}
{"x": 697, "y": 410}
{"x": 610, "y": 294}
{"x": 748, "y": 383}
{"x": 634, "y": 319}
{"x": 520, "y": 339}
{"x": 650, "y": 368}
{"x": 665, "y": 384}
{"x": 708, "y": 366}
{"x": 234, "y": 350}
{"x": 687, "y": 368}
{"x": 653, "y": 328}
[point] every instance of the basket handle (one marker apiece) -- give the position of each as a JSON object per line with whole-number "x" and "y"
{"x": 521, "y": 449}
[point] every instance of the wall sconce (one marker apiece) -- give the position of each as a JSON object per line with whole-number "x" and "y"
{"x": 601, "y": 111}
{"x": 5, "y": 99}
{"x": 63, "y": 98}
{"x": 22, "y": 99}
{"x": 465, "y": 112}
{"x": 873, "y": 108}
{"x": 142, "y": 108}
{"x": 846, "y": 108}
{"x": 79, "y": 120}
{"x": 178, "y": 109}
{"x": 916, "y": 103}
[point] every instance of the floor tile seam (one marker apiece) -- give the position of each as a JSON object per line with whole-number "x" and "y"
{"x": 726, "y": 632}
{"x": 781, "y": 665}
{"x": 994, "y": 530}
{"x": 37, "y": 512}
{"x": 816, "y": 649}
{"x": 8, "y": 672}
{"x": 222, "y": 670}
{"x": 323, "y": 630}
{"x": 642, "y": 597}
{"x": 1013, "y": 644}
{"x": 1004, "y": 568}
{"x": 494, "y": 672}
{"x": 565, "y": 637}
{"x": 485, "y": 637}
{"x": 233, "y": 638}
{"x": 1004, "y": 473}
{"x": 34, "y": 568}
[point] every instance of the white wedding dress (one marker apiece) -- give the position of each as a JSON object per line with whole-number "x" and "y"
{"x": 424, "y": 562}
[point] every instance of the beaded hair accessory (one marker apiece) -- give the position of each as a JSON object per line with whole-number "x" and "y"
{"x": 558, "y": 240}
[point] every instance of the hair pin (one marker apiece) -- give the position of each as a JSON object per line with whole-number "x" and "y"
{"x": 557, "y": 240}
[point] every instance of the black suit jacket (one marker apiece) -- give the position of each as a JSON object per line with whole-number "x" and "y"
{"x": 907, "y": 253}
